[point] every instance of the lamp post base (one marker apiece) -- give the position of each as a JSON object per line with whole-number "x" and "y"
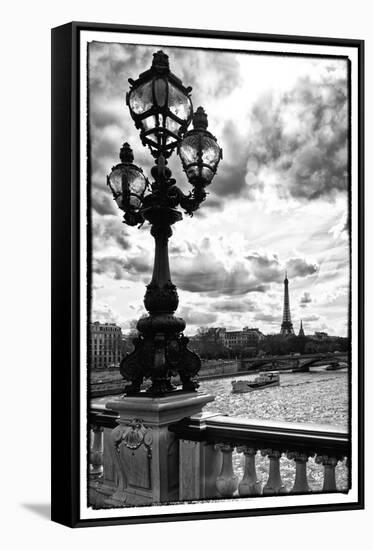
{"x": 145, "y": 451}
{"x": 160, "y": 352}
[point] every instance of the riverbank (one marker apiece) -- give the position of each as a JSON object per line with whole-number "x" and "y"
{"x": 110, "y": 382}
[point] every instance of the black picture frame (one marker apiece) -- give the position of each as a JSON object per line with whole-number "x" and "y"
{"x": 66, "y": 277}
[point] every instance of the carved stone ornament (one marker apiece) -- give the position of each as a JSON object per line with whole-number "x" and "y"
{"x": 134, "y": 437}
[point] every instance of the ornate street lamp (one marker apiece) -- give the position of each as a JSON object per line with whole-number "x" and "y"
{"x": 128, "y": 185}
{"x": 162, "y": 110}
{"x": 199, "y": 151}
{"x": 160, "y": 106}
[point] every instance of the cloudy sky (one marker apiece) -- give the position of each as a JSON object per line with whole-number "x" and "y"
{"x": 279, "y": 200}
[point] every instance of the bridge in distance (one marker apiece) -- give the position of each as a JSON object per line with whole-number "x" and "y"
{"x": 297, "y": 363}
{"x": 112, "y": 383}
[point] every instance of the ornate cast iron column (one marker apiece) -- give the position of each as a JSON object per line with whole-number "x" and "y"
{"x": 161, "y": 349}
{"x": 161, "y": 108}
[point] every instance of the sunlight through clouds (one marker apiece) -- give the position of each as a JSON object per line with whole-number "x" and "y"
{"x": 279, "y": 200}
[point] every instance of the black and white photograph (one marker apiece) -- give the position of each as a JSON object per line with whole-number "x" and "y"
{"x": 218, "y": 255}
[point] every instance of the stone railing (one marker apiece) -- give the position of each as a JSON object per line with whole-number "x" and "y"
{"x": 208, "y": 457}
{"x": 208, "y": 444}
{"x": 103, "y": 478}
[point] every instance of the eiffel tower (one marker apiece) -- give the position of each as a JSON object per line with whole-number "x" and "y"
{"x": 287, "y": 325}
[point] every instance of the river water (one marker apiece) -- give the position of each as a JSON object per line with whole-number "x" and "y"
{"x": 313, "y": 397}
{"x": 317, "y": 396}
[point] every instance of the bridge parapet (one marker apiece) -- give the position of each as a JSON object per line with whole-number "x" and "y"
{"x": 213, "y": 457}
{"x": 218, "y": 438}
{"x": 296, "y": 362}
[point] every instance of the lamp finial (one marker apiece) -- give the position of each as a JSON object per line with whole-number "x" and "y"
{"x": 126, "y": 153}
{"x": 200, "y": 119}
{"x": 160, "y": 62}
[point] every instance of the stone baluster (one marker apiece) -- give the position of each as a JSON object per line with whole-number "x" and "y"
{"x": 274, "y": 485}
{"x": 96, "y": 468}
{"x": 301, "y": 482}
{"x": 227, "y": 481}
{"x": 329, "y": 464}
{"x": 249, "y": 485}
{"x": 118, "y": 498}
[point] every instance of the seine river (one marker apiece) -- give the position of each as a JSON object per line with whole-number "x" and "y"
{"x": 317, "y": 396}
{"x": 312, "y": 397}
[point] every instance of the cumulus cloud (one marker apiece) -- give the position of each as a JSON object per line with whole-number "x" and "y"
{"x": 305, "y": 299}
{"x": 138, "y": 265}
{"x": 268, "y": 318}
{"x": 109, "y": 231}
{"x": 108, "y": 265}
{"x": 269, "y": 269}
{"x": 286, "y": 144}
{"x": 113, "y": 63}
{"x": 341, "y": 228}
{"x": 194, "y": 316}
{"x": 231, "y": 177}
{"x": 266, "y": 268}
{"x": 310, "y": 318}
{"x": 300, "y": 139}
{"x": 214, "y": 278}
{"x": 221, "y": 72}
{"x": 119, "y": 269}
{"x": 211, "y": 267}
{"x": 299, "y": 267}
{"x": 235, "y": 305}
{"x": 214, "y": 267}
{"x": 104, "y": 313}
{"x": 102, "y": 203}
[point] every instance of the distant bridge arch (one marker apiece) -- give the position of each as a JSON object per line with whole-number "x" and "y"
{"x": 297, "y": 363}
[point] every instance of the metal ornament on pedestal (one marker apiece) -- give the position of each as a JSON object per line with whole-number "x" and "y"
{"x": 161, "y": 108}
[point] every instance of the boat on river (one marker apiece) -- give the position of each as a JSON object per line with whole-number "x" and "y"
{"x": 264, "y": 380}
{"x": 336, "y": 366}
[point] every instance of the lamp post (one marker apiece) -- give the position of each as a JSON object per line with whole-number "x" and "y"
{"x": 162, "y": 110}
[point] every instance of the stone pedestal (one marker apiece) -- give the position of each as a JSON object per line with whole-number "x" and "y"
{"x": 200, "y": 464}
{"x": 144, "y": 451}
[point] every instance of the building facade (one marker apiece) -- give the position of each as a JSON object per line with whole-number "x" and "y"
{"x": 321, "y": 336}
{"x": 247, "y": 337}
{"x": 217, "y": 341}
{"x": 105, "y": 345}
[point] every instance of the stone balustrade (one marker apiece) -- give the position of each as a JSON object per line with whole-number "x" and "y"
{"x": 103, "y": 477}
{"x": 254, "y": 439}
{"x": 209, "y": 456}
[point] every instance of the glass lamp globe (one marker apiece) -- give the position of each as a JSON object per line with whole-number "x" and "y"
{"x": 199, "y": 151}
{"x": 160, "y": 106}
{"x": 127, "y": 183}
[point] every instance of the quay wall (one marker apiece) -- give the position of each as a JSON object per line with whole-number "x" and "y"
{"x": 110, "y": 382}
